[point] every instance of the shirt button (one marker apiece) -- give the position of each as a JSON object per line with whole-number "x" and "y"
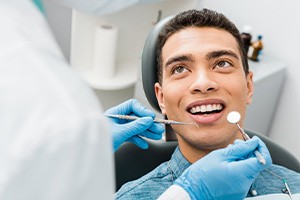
{"x": 253, "y": 192}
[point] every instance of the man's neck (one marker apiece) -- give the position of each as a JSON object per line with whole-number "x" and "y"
{"x": 193, "y": 153}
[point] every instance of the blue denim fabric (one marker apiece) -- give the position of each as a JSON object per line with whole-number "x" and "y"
{"x": 153, "y": 184}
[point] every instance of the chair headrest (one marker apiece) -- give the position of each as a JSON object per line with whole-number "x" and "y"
{"x": 149, "y": 63}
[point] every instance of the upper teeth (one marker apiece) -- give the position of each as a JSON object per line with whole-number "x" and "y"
{"x": 206, "y": 108}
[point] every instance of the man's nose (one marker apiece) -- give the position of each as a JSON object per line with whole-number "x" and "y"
{"x": 204, "y": 81}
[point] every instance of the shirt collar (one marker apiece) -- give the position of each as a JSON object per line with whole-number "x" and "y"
{"x": 178, "y": 163}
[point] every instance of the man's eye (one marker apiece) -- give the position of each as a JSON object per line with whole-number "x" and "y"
{"x": 223, "y": 64}
{"x": 178, "y": 70}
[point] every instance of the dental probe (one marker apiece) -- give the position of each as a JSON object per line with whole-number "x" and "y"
{"x": 164, "y": 121}
{"x": 233, "y": 118}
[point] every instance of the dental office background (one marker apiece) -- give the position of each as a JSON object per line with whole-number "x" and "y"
{"x": 275, "y": 21}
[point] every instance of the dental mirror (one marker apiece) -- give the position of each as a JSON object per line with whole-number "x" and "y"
{"x": 233, "y": 117}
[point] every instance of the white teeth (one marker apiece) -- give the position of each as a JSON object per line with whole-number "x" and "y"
{"x": 214, "y": 107}
{"x": 206, "y": 108}
{"x": 202, "y": 108}
{"x": 209, "y": 108}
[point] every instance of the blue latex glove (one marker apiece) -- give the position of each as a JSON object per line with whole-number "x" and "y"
{"x": 225, "y": 173}
{"x": 133, "y": 131}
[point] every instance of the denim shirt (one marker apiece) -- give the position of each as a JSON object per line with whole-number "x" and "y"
{"x": 153, "y": 184}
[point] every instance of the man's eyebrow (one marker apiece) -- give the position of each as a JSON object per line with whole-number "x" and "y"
{"x": 219, "y": 53}
{"x": 180, "y": 58}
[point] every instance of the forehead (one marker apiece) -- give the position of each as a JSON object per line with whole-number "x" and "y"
{"x": 199, "y": 41}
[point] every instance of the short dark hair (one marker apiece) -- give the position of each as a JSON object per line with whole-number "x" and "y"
{"x": 198, "y": 18}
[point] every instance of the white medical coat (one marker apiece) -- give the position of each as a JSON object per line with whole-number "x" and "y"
{"x": 54, "y": 140}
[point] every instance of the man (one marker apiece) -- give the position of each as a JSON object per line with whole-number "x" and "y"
{"x": 203, "y": 75}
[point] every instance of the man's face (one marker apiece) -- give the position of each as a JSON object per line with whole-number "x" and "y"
{"x": 202, "y": 81}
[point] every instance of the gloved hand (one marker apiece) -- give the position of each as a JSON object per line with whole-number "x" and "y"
{"x": 133, "y": 131}
{"x": 225, "y": 173}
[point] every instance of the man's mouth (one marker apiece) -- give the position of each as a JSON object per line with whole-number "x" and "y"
{"x": 206, "y": 109}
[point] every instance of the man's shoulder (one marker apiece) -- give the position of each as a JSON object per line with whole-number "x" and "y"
{"x": 150, "y": 186}
{"x": 280, "y": 173}
{"x": 270, "y": 181}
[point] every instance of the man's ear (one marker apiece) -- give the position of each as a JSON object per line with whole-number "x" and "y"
{"x": 160, "y": 97}
{"x": 250, "y": 87}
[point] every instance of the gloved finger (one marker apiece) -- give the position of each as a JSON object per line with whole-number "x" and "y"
{"x": 140, "y": 110}
{"x": 241, "y": 149}
{"x": 249, "y": 166}
{"x": 137, "y": 126}
{"x": 263, "y": 149}
{"x": 151, "y": 135}
{"x": 130, "y": 107}
{"x": 237, "y": 141}
{"x": 157, "y": 128}
{"x": 138, "y": 141}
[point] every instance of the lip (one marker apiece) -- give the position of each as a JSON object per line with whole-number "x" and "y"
{"x": 206, "y": 119}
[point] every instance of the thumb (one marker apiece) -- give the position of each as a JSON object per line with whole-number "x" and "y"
{"x": 241, "y": 149}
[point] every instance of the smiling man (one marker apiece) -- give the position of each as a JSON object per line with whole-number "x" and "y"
{"x": 202, "y": 80}
{"x": 203, "y": 74}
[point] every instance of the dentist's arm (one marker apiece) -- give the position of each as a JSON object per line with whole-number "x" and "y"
{"x": 212, "y": 176}
{"x": 133, "y": 131}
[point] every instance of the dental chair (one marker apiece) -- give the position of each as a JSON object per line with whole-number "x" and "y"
{"x": 132, "y": 162}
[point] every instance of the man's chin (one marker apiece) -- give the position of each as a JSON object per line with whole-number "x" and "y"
{"x": 207, "y": 145}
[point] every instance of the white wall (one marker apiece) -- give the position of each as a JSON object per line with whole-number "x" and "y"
{"x": 279, "y": 24}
